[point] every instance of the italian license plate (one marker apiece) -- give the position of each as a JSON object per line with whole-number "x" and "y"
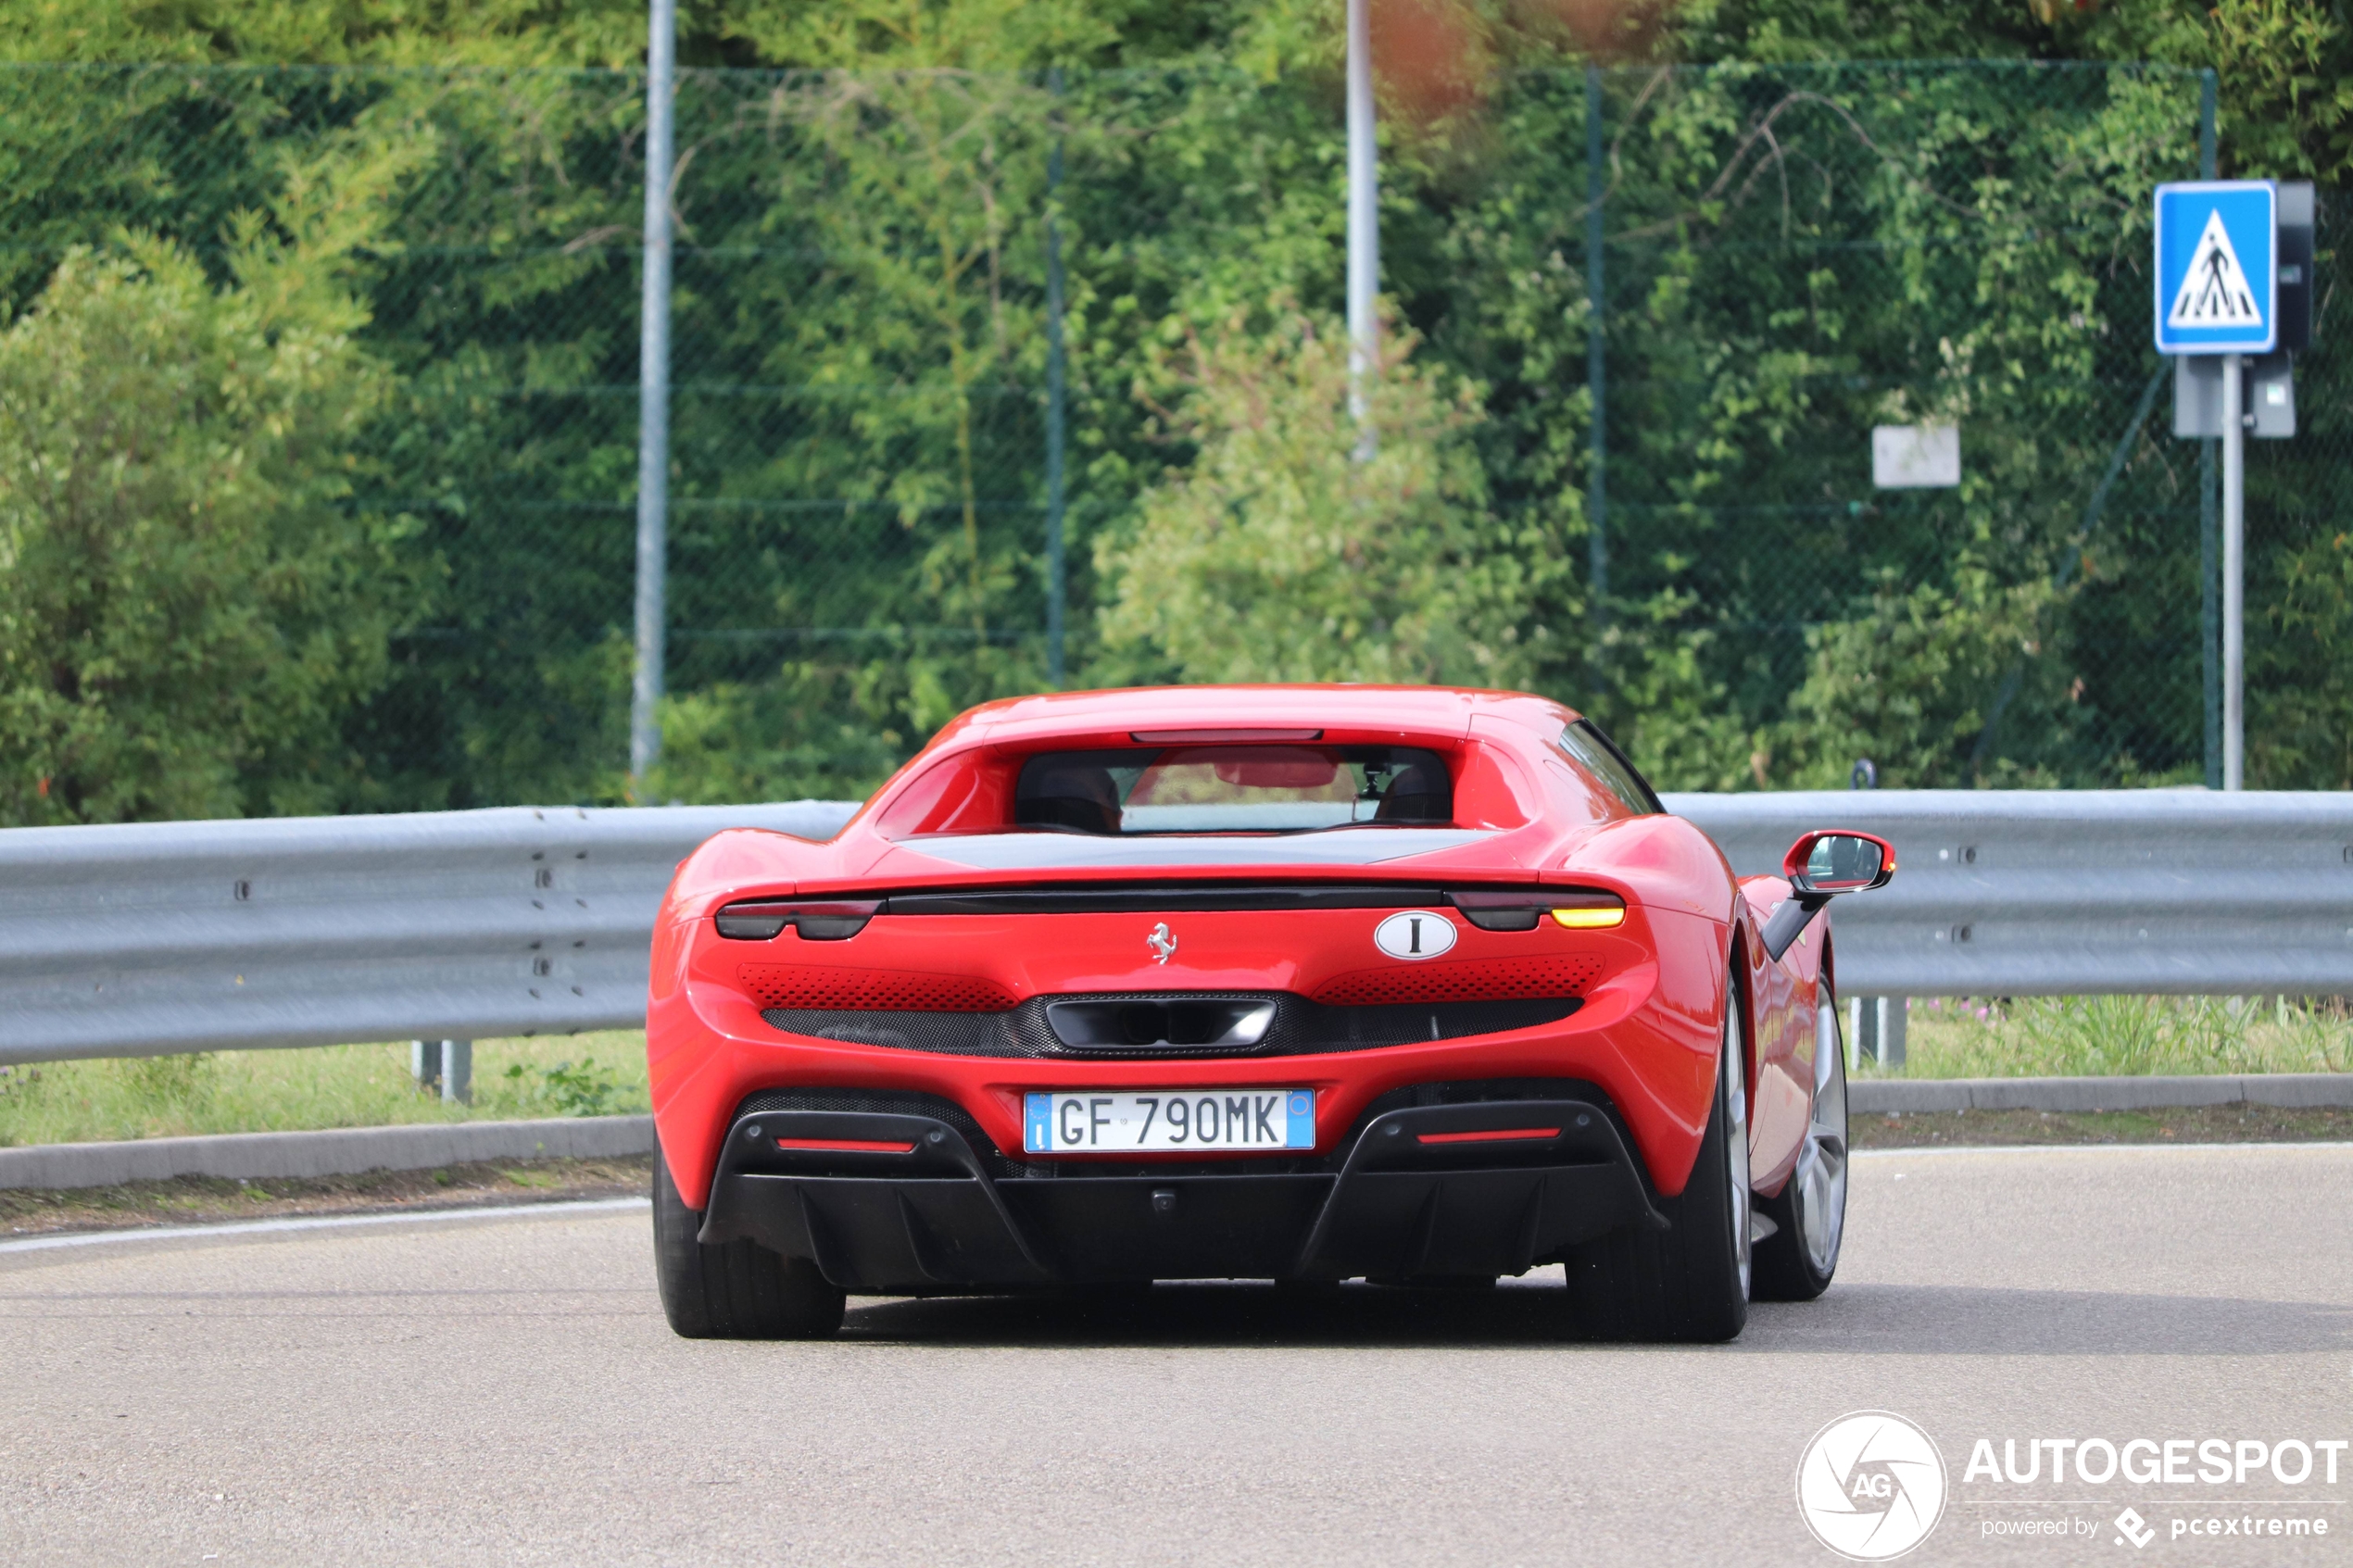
{"x": 1082, "y": 1121}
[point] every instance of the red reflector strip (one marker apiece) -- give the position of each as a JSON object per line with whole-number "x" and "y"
{"x": 1502, "y": 1134}
{"x": 848, "y": 1146}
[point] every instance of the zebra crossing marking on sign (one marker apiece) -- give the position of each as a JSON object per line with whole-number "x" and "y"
{"x": 2214, "y": 292}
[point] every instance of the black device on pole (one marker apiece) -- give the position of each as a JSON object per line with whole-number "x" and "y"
{"x": 2295, "y": 296}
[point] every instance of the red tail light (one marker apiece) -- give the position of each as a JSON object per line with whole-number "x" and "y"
{"x": 1578, "y": 909}
{"x": 827, "y": 921}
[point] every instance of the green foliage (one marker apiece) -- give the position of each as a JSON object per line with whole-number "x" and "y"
{"x": 2301, "y": 687}
{"x": 1277, "y": 555}
{"x": 584, "y": 1089}
{"x": 1915, "y": 684}
{"x": 185, "y": 1080}
{"x": 1797, "y": 250}
{"x": 188, "y": 605}
{"x": 20, "y": 1089}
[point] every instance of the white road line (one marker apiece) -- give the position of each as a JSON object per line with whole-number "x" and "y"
{"x": 2249, "y": 1146}
{"x": 327, "y": 1222}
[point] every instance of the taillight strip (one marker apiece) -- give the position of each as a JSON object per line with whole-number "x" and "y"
{"x": 1504, "y": 1134}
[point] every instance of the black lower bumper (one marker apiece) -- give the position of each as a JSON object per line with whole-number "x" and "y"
{"x": 892, "y": 1202}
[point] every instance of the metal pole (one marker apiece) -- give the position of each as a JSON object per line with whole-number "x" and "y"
{"x": 457, "y": 1071}
{"x": 1596, "y": 358}
{"x": 2233, "y": 567}
{"x": 2209, "y": 530}
{"x": 2210, "y": 605}
{"x": 1056, "y": 584}
{"x": 653, "y": 397}
{"x": 1364, "y": 225}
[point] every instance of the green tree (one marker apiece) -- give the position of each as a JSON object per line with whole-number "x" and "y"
{"x": 188, "y": 604}
{"x": 1280, "y": 555}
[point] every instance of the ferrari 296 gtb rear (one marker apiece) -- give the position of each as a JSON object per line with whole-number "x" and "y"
{"x": 1290, "y": 983}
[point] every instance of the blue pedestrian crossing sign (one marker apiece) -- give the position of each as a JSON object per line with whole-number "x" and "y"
{"x": 2218, "y": 266}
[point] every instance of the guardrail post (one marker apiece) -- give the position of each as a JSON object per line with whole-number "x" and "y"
{"x": 424, "y": 1062}
{"x": 1875, "y": 1027}
{"x": 444, "y": 1067}
{"x": 457, "y": 1071}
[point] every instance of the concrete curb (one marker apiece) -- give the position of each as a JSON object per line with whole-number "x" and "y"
{"x": 341, "y": 1151}
{"x": 1916, "y": 1096}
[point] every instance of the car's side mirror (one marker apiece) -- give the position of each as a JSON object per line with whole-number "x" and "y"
{"x": 1838, "y": 861}
{"x": 1819, "y": 866}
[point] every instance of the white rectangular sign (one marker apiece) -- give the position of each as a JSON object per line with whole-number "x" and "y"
{"x": 1916, "y": 456}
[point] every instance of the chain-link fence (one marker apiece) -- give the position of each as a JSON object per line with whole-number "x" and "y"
{"x": 879, "y": 281}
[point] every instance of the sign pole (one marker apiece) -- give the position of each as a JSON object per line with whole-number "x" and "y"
{"x": 2220, "y": 290}
{"x": 1363, "y": 227}
{"x": 653, "y": 401}
{"x": 2233, "y": 575}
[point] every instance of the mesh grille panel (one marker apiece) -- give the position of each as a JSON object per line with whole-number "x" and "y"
{"x": 814, "y": 986}
{"x": 951, "y": 1034}
{"x": 1566, "y": 974}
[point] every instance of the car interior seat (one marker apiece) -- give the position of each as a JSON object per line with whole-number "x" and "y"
{"x": 1075, "y": 796}
{"x": 1419, "y": 793}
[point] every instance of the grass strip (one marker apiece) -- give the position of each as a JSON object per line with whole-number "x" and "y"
{"x": 319, "y": 1086}
{"x": 2123, "y": 1037}
{"x": 2197, "y": 1123}
{"x": 200, "y": 1200}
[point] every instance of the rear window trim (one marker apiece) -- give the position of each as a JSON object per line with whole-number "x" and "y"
{"x": 1655, "y": 807}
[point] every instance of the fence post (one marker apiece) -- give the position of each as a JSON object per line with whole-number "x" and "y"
{"x": 653, "y": 395}
{"x": 1596, "y": 364}
{"x": 1056, "y": 581}
{"x": 2210, "y": 528}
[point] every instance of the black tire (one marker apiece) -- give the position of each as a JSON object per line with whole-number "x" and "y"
{"x": 1796, "y": 1261}
{"x": 736, "y": 1290}
{"x": 1689, "y": 1283}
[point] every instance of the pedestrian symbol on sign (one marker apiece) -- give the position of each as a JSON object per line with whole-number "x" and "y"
{"x": 2214, "y": 292}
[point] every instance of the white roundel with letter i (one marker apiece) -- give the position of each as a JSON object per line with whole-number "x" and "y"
{"x": 1414, "y": 934}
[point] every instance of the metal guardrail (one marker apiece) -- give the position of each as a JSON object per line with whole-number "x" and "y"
{"x": 148, "y": 938}
{"x": 2011, "y": 892}
{"x": 151, "y": 938}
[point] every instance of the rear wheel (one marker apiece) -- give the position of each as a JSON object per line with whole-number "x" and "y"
{"x": 736, "y": 1290}
{"x": 1795, "y": 1264}
{"x": 1691, "y": 1281}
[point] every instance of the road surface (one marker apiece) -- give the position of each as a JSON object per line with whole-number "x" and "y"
{"x": 503, "y": 1389}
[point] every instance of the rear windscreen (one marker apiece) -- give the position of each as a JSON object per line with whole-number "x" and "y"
{"x": 1233, "y": 789}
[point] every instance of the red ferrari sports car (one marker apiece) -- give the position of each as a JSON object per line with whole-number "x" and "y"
{"x": 1295, "y": 982}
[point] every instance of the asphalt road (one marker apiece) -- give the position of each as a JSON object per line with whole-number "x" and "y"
{"x": 503, "y": 1390}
